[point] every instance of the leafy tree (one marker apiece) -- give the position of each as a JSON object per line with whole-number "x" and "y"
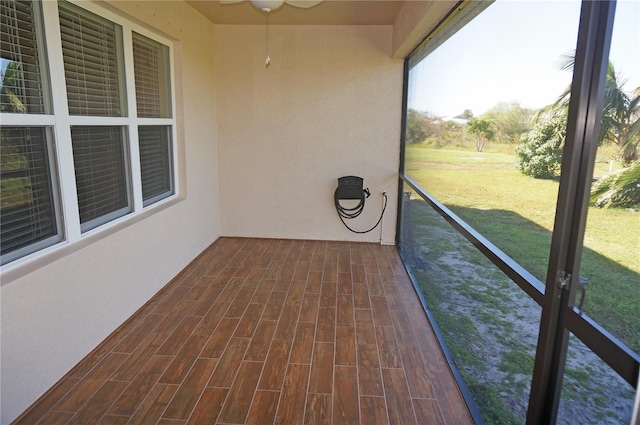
{"x": 447, "y": 133}
{"x": 482, "y": 129}
{"x": 540, "y": 154}
{"x": 415, "y": 132}
{"x": 510, "y": 121}
{"x": 10, "y": 88}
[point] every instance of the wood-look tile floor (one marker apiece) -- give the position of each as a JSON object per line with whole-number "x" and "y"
{"x": 261, "y": 331}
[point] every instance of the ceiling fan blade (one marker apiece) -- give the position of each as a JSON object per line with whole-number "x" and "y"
{"x": 230, "y": 1}
{"x": 305, "y": 4}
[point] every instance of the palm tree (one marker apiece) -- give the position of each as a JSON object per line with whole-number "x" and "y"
{"x": 620, "y": 113}
{"x": 627, "y": 129}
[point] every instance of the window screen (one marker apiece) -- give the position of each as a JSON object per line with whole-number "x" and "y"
{"x": 151, "y": 65}
{"x": 101, "y": 174}
{"x": 155, "y": 162}
{"x": 26, "y": 192}
{"x": 21, "y": 86}
{"x": 92, "y": 57}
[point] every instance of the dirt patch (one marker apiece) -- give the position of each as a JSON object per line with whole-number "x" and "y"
{"x": 493, "y": 333}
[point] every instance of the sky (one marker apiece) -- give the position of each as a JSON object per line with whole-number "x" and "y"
{"x": 512, "y": 52}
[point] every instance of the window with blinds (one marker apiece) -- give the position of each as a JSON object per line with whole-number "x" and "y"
{"x": 155, "y": 163}
{"x": 22, "y": 85}
{"x": 101, "y": 174}
{"x": 92, "y": 55}
{"x": 151, "y": 65}
{"x": 89, "y": 65}
{"x": 153, "y": 100}
{"x": 27, "y": 207}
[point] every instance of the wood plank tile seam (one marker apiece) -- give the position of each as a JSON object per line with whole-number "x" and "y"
{"x": 267, "y": 332}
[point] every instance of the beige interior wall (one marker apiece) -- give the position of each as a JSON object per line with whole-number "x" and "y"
{"x": 329, "y": 105}
{"x": 54, "y": 315}
{"x": 260, "y": 152}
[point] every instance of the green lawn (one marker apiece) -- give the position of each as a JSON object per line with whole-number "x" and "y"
{"x": 516, "y": 213}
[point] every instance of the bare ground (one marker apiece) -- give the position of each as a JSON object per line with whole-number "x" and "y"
{"x": 505, "y": 322}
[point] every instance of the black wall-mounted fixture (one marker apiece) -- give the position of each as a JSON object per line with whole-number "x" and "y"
{"x": 351, "y": 188}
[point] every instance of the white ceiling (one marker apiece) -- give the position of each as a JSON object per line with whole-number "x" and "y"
{"x": 329, "y": 12}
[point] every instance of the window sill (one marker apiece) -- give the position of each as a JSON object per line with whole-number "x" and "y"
{"x": 24, "y": 266}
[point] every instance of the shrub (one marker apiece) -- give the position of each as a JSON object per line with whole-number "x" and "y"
{"x": 540, "y": 154}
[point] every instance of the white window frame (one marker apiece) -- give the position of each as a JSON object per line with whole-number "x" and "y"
{"x": 60, "y": 122}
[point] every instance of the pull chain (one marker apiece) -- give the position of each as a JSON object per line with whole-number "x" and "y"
{"x": 268, "y": 59}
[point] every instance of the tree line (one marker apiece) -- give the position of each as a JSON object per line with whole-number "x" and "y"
{"x": 504, "y": 123}
{"x": 539, "y": 135}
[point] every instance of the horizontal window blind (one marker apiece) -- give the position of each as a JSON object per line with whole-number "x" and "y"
{"x": 151, "y": 67}
{"x": 26, "y": 194}
{"x": 91, "y": 57}
{"x": 101, "y": 174}
{"x": 155, "y": 162}
{"x": 91, "y": 63}
{"x": 21, "y": 86}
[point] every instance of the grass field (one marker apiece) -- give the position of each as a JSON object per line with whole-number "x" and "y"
{"x": 516, "y": 213}
{"x": 491, "y": 329}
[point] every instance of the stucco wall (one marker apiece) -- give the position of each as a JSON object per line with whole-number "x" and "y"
{"x": 261, "y": 150}
{"x": 55, "y": 315}
{"x": 329, "y": 105}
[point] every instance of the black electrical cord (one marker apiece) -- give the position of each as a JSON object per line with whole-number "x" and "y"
{"x": 354, "y": 212}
